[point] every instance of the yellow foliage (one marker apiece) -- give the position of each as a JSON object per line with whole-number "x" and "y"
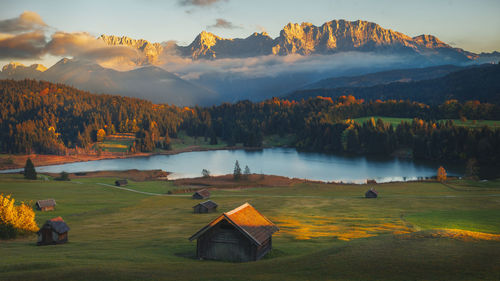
{"x": 21, "y": 217}
{"x": 100, "y": 135}
{"x": 441, "y": 174}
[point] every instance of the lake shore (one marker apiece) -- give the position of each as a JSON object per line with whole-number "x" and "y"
{"x": 18, "y": 161}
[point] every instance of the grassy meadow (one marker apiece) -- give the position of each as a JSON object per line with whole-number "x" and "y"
{"x": 465, "y": 123}
{"x": 327, "y": 232}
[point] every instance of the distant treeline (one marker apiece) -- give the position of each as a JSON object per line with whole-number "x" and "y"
{"x": 49, "y": 118}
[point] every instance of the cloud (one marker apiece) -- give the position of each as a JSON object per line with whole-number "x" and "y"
{"x": 272, "y": 66}
{"x": 199, "y": 3}
{"x": 27, "y": 21}
{"x": 29, "y": 45}
{"x": 82, "y": 45}
{"x": 222, "y": 23}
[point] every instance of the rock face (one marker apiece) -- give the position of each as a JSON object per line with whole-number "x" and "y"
{"x": 152, "y": 51}
{"x": 304, "y": 39}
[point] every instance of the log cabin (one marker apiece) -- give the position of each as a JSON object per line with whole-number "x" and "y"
{"x": 240, "y": 235}
{"x": 121, "y": 182}
{"x": 46, "y": 205}
{"x": 205, "y": 207}
{"x": 201, "y": 194}
{"x": 54, "y": 231}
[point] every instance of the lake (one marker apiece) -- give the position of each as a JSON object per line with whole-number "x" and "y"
{"x": 286, "y": 162}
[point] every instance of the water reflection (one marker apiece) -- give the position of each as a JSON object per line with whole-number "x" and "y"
{"x": 276, "y": 161}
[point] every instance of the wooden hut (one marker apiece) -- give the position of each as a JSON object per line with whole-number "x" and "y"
{"x": 240, "y": 235}
{"x": 372, "y": 193}
{"x": 46, "y": 205}
{"x": 205, "y": 207}
{"x": 54, "y": 231}
{"x": 121, "y": 182}
{"x": 201, "y": 194}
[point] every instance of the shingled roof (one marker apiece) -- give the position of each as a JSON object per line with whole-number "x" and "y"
{"x": 208, "y": 204}
{"x": 203, "y": 193}
{"x": 248, "y": 221}
{"x": 58, "y": 225}
{"x": 46, "y": 203}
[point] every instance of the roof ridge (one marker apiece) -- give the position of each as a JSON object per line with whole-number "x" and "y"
{"x": 235, "y": 210}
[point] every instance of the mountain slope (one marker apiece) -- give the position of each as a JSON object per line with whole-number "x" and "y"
{"x": 151, "y": 83}
{"x": 384, "y": 77}
{"x": 15, "y": 70}
{"x": 479, "y": 83}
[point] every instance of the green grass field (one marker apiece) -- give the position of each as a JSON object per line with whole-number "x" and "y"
{"x": 469, "y": 123}
{"x": 327, "y": 232}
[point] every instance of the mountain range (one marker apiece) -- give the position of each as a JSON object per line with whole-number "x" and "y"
{"x": 337, "y": 54}
{"x": 306, "y": 39}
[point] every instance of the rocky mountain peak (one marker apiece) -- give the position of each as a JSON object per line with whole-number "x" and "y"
{"x": 152, "y": 51}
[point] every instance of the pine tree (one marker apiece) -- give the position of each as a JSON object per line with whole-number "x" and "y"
{"x": 237, "y": 171}
{"x": 29, "y": 170}
{"x": 246, "y": 172}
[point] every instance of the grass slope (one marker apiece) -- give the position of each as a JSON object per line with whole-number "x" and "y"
{"x": 327, "y": 232}
{"x": 468, "y": 123}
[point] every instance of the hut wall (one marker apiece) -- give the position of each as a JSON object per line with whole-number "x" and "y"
{"x": 200, "y": 209}
{"x": 224, "y": 242}
{"x": 263, "y": 249}
{"x": 48, "y": 208}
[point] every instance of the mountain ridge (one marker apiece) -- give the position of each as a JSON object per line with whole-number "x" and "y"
{"x": 304, "y": 39}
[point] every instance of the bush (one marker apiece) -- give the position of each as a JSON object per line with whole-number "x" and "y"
{"x": 63, "y": 177}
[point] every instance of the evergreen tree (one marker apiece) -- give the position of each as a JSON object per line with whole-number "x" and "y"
{"x": 29, "y": 170}
{"x": 237, "y": 171}
{"x": 246, "y": 172}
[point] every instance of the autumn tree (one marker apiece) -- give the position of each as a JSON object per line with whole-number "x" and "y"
{"x": 237, "y": 171}
{"x": 441, "y": 174}
{"x": 29, "y": 170}
{"x": 100, "y": 135}
{"x": 15, "y": 219}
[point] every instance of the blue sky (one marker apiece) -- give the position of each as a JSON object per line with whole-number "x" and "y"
{"x": 471, "y": 25}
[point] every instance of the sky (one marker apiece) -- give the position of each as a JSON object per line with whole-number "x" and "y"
{"x": 471, "y": 25}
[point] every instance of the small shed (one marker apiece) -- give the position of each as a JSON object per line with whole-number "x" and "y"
{"x": 372, "y": 193}
{"x": 46, "y": 205}
{"x": 201, "y": 194}
{"x": 205, "y": 207}
{"x": 54, "y": 231}
{"x": 121, "y": 182}
{"x": 240, "y": 235}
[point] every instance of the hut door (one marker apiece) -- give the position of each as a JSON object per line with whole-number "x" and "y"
{"x": 47, "y": 235}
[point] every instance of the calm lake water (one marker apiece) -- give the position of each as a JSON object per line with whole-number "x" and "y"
{"x": 273, "y": 161}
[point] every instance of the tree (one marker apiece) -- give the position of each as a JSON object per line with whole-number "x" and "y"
{"x": 237, "y": 171}
{"x": 246, "y": 172}
{"x": 15, "y": 218}
{"x": 100, "y": 135}
{"x": 441, "y": 174}
{"x": 29, "y": 170}
{"x": 63, "y": 176}
{"x": 205, "y": 173}
{"x": 472, "y": 170}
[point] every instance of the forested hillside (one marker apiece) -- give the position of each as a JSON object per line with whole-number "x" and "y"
{"x": 51, "y": 118}
{"x": 480, "y": 83}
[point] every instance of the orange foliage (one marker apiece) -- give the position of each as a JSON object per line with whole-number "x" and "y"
{"x": 21, "y": 217}
{"x": 441, "y": 174}
{"x": 328, "y": 99}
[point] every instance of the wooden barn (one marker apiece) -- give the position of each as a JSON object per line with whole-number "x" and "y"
{"x": 201, "y": 194}
{"x": 205, "y": 207}
{"x": 372, "y": 193}
{"x": 121, "y": 182}
{"x": 46, "y": 205}
{"x": 54, "y": 231}
{"x": 240, "y": 235}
